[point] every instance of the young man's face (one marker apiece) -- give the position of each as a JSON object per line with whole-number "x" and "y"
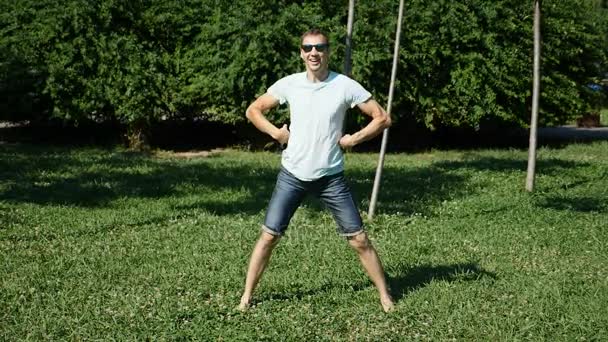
{"x": 317, "y": 56}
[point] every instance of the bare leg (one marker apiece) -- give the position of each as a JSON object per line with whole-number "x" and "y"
{"x": 257, "y": 264}
{"x": 372, "y": 265}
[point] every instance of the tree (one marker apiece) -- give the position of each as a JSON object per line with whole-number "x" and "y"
{"x": 462, "y": 63}
{"x": 535, "y": 98}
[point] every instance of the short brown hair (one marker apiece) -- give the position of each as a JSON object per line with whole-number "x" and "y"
{"x": 314, "y": 32}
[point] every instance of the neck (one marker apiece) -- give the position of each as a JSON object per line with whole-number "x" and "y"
{"x": 317, "y": 76}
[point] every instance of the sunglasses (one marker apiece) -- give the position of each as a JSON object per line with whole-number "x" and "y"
{"x": 320, "y": 47}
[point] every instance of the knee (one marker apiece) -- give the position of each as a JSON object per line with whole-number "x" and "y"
{"x": 360, "y": 242}
{"x": 268, "y": 239}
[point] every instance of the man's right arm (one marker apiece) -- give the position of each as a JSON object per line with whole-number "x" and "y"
{"x": 255, "y": 114}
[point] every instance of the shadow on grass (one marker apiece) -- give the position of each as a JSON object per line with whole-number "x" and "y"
{"x": 474, "y": 161}
{"x": 578, "y": 204}
{"x": 56, "y": 176}
{"x": 419, "y": 190}
{"x": 96, "y": 178}
{"x": 278, "y": 294}
{"x": 408, "y": 280}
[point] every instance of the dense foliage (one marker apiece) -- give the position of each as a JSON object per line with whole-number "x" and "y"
{"x": 462, "y": 63}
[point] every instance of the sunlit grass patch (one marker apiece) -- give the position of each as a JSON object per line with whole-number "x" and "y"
{"x": 103, "y": 244}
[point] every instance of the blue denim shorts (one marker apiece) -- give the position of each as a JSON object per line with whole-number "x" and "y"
{"x": 333, "y": 192}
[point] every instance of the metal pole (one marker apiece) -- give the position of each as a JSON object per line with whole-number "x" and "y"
{"x": 535, "y": 96}
{"x": 349, "y": 36}
{"x": 374, "y": 199}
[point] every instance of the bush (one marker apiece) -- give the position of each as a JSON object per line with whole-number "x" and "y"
{"x": 462, "y": 63}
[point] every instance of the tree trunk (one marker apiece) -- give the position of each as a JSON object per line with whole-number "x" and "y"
{"x": 391, "y": 90}
{"x": 535, "y": 96}
{"x": 137, "y": 136}
{"x": 349, "y": 39}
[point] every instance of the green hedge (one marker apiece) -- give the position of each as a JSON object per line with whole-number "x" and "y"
{"x": 462, "y": 62}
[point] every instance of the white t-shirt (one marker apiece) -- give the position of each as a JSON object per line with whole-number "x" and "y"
{"x": 317, "y": 116}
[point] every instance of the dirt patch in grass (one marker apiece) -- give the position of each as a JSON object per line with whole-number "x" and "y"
{"x": 190, "y": 154}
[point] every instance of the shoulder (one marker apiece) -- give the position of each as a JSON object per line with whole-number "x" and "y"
{"x": 282, "y": 88}
{"x": 354, "y": 93}
{"x": 283, "y": 84}
{"x": 338, "y": 77}
{"x": 293, "y": 78}
{"x": 348, "y": 84}
{"x": 344, "y": 80}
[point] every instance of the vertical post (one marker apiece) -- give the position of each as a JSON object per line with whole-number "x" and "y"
{"x": 376, "y": 188}
{"x": 535, "y": 97}
{"x": 349, "y": 37}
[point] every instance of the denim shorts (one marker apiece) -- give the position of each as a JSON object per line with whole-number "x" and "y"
{"x": 333, "y": 192}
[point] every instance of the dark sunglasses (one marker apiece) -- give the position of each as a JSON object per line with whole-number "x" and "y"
{"x": 320, "y": 47}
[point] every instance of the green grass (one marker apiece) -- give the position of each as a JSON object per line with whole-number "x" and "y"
{"x": 604, "y": 117}
{"x": 103, "y": 244}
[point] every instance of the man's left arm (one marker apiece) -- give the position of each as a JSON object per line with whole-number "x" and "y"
{"x": 380, "y": 121}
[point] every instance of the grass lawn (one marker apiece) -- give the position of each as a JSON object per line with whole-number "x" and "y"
{"x": 104, "y": 244}
{"x": 604, "y": 117}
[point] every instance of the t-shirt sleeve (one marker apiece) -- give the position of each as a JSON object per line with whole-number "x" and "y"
{"x": 356, "y": 94}
{"x": 279, "y": 90}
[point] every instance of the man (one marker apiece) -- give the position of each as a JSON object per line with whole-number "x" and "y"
{"x": 313, "y": 162}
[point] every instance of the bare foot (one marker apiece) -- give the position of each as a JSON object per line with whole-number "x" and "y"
{"x": 387, "y": 304}
{"x": 244, "y": 305}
